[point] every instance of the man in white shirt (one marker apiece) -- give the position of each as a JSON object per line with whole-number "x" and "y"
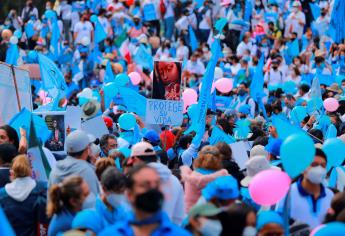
{"x": 245, "y": 45}
{"x": 244, "y": 98}
{"x": 295, "y": 21}
{"x": 274, "y": 76}
{"x": 83, "y": 29}
{"x": 195, "y": 66}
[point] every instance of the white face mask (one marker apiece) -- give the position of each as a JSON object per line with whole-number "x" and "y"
{"x": 317, "y": 174}
{"x": 115, "y": 200}
{"x": 210, "y": 227}
{"x": 249, "y": 231}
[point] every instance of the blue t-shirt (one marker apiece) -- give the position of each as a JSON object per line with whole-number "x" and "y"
{"x": 61, "y": 222}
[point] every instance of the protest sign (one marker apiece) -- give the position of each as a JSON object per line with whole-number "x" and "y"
{"x": 95, "y": 126}
{"x": 7, "y": 93}
{"x": 239, "y": 153}
{"x": 73, "y": 117}
{"x": 22, "y": 78}
{"x": 164, "y": 112}
{"x": 167, "y": 80}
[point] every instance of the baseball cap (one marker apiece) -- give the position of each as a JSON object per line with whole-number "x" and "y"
{"x": 143, "y": 149}
{"x": 268, "y": 217}
{"x": 152, "y": 137}
{"x": 224, "y": 188}
{"x": 77, "y": 141}
{"x": 207, "y": 209}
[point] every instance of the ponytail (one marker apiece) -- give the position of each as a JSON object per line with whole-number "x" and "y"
{"x": 61, "y": 194}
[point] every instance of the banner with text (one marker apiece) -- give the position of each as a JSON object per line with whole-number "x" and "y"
{"x": 164, "y": 112}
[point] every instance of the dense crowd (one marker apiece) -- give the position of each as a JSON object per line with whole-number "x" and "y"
{"x": 278, "y": 88}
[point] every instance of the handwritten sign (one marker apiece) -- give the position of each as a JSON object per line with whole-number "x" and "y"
{"x": 164, "y": 112}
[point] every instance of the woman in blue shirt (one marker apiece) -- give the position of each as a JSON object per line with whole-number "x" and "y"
{"x": 65, "y": 200}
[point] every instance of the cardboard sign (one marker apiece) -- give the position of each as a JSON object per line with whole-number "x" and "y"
{"x": 167, "y": 80}
{"x": 95, "y": 126}
{"x": 73, "y": 117}
{"x": 164, "y": 112}
{"x": 239, "y": 153}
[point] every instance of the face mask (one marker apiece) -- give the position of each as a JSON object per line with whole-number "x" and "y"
{"x": 210, "y": 227}
{"x": 316, "y": 174}
{"x": 150, "y": 201}
{"x": 274, "y": 67}
{"x": 323, "y": 13}
{"x": 241, "y": 92}
{"x": 249, "y": 231}
{"x": 115, "y": 200}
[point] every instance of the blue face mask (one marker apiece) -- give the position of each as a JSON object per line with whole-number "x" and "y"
{"x": 116, "y": 200}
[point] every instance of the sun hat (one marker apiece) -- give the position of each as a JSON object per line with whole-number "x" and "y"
{"x": 90, "y": 109}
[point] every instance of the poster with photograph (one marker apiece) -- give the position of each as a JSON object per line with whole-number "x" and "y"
{"x": 167, "y": 80}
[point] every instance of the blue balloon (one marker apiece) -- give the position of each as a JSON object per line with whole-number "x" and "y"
{"x": 334, "y": 229}
{"x": 298, "y": 114}
{"x": 18, "y": 34}
{"x": 334, "y": 149}
{"x": 121, "y": 79}
{"x": 93, "y": 18}
{"x": 82, "y": 101}
{"x": 127, "y": 121}
{"x": 297, "y": 153}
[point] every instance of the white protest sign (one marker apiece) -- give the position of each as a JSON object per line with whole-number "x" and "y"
{"x": 95, "y": 126}
{"x": 73, "y": 117}
{"x": 239, "y": 153}
{"x": 24, "y": 88}
{"x": 164, "y": 112}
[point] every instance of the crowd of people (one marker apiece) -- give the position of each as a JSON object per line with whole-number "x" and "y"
{"x": 157, "y": 179}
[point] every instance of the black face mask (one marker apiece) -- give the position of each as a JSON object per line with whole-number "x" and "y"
{"x": 243, "y": 116}
{"x": 323, "y": 13}
{"x": 150, "y": 201}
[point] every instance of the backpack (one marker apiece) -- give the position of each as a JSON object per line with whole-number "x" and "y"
{"x": 162, "y": 8}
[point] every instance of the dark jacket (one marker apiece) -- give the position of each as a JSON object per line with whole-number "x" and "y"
{"x": 4, "y": 176}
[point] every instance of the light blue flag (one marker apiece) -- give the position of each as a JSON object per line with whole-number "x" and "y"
{"x": 242, "y": 128}
{"x": 293, "y": 48}
{"x": 5, "y": 226}
{"x": 96, "y": 55}
{"x": 133, "y": 101}
{"x": 219, "y": 135}
{"x": 331, "y": 132}
{"x": 23, "y": 119}
{"x": 220, "y": 24}
{"x": 315, "y": 10}
{"x": 284, "y": 128}
{"x": 109, "y": 75}
{"x": 52, "y": 78}
{"x": 29, "y": 29}
{"x": 143, "y": 58}
{"x": 192, "y": 39}
{"x": 149, "y": 12}
{"x": 100, "y": 34}
{"x": 199, "y": 3}
{"x": 305, "y": 43}
{"x": 248, "y": 9}
{"x": 315, "y": 90}
{"x": 205, "y": 93}
{"x": 12, "y": 54}
{"x": 337, "y": 21}
{"x": 54, "y": 47}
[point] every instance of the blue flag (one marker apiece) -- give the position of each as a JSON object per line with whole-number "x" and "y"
{"x": 293, "y": 48}
{"x": 133, "y": 101}
{"x": 284, "y": 128}
{"x": 248, "y": 9}
{"x": 5, "y": 226}
{"x": 100, "y": 34}
{"x": 315, "y": 10}
{"x": 23, "y": 120}
{"x": 29, "y": 30}
{"x": 205, "y": 93}
{"x": 52, "y": 78}
{"x": 54, "y": 46}
{"x": 192, "y": 39}
{"x": 109, "y": 75}
{"x": 337, "y": 21}
{"x": 219, "y": 135}
{"x": 143, "y": 58}
{"x": 12, "y": 54}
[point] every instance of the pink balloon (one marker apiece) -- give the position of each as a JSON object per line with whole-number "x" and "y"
{"x": 189, "y": 96}
{"x": 331, "y": 104}
{"x": 269, "y": 187}
{"x": 224, "y": 85}
{"x": 135, "y": 77}
{"x": 212, "y": 89}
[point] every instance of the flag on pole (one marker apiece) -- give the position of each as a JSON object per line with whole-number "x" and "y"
{"x": 192, "y": 39}
{"x": 39, "y": 162}
{"x": 109, "y": 75}
{"x": 12, "y": 54}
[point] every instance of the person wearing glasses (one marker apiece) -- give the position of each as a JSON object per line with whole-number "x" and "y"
{"x": 309, "y": 198}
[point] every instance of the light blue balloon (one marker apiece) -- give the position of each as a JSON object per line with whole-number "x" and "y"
{"x": 93, "y": 18}
{"x": 298, "y": 114}
{"x": 127, "y": 121}
{"x": 334, "y": 229}
{"x": 334, "y": 149}
{"x": 121, "y": 79}
{"x": 82, "y": 101}
{"x": 297, "y": 153}
{"x": 18, "y": 34}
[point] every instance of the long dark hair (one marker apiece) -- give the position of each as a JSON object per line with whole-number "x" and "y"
{"x": 12, "y": 135}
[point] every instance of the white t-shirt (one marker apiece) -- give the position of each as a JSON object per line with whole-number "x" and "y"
{"x": 195, "y": 67}
{"x": 182, "y": 52}
{"x": 242, "y": 47}
{"x": 83, "y": 29}
{"x": 292, "y": 23}
{"x": 203, "y": 24}
{"x": 274, "y": 77}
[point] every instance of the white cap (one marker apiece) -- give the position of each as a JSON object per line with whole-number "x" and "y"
{"x": 77, "y": 141}
{"x": 143, "y": 149}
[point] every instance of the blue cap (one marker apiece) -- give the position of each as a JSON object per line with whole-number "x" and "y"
{"x": 88, "y": 219}
{"x": 244, "y": 109}
{"x": 152, "y": 137}
{"x": 224, "y": 188}
{"x": 273, "y": 146}
{"x": 334, "y": 229}
{"x": 268, "y": 217}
